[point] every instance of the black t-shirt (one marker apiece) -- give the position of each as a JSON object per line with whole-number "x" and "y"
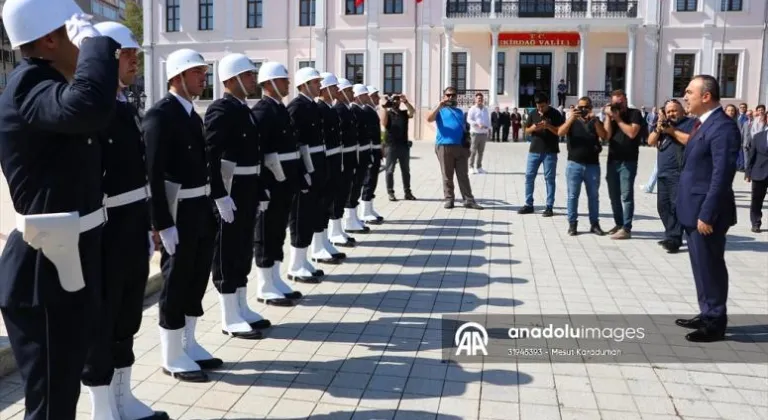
{"x": 583, "y": 142}
{"x": 621, "y": 147}
{"x": 544, "y": 141}
{"x": 397, "y": 126}
{"x": 670, "y": 159}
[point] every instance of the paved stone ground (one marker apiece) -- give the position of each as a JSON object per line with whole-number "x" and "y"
{"x": 364, "y": 344}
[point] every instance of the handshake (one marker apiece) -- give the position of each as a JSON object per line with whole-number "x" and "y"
{"x": 79, "y": 28}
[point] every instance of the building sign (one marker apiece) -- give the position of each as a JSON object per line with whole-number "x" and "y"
{"x": 542, "y": 39}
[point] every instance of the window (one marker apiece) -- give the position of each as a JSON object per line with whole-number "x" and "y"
{"x": 355, "y": 68}
{"x": 310, "y": 63}
{"x": 393, "y": 73}
{"x": 257, "y": 93}
{"x": 205, "y": 16}
{"x": 579, "y": 5}
{"x": 172, "y": 16}
{"x": 615, "y": 71}
{"x": 682, "y": 73}
{"x": 572, "y": 74}
{"x": 207, "y": 93}
{"x": 728, "y": 69}
{"x": 501, "y": 67}
{"x": 459, "y": 71}
{"x": 351, "y": 9}
{"x": 306, "y": 12}
{"x": 730, "y": 5}
{"x": 393, "y": 7}
{"x": 687, "y": 5}
{"x": 255, "y": 14}
{"x": 100, "y": 8}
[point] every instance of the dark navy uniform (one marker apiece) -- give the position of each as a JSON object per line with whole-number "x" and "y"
{"x": 333, "y": 154}
{"x": 278, "y": 136}
{"x": 373, "y": 131}
{"x": 125, "y": 246}
{"x": 176, "y": 153}
{"x": 349, "y": 135}
{"x": 363, "y": 156}
{"x": 231, "y": 135}
{"x": 53, "y": 165}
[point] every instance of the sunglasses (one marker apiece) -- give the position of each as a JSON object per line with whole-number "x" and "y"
{"x": 450, "y": 95}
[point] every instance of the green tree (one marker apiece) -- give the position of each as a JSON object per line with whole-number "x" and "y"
{"x": 134, "y": 20}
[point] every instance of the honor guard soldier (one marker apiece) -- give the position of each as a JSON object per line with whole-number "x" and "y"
{"x": 127, "y": 246}
{"x": 286, "y": 177}
{"x": 368, "y": 214}
{"x": 51, "y": 268}
{"x": 352, "y": 223}
{"x": 182, "y": 212}
{"x": 349, "y": 136}
{"x": 235, "y": 161}
{"x": 306, "y": 211}
{"x": 322, "y": 249}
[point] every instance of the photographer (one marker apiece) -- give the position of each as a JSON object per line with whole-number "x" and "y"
{"x": 670, "y": 136}
{"x": 623, "y": 125}
{"x": 395, "y": 123}
{"x": 584, "y": 133}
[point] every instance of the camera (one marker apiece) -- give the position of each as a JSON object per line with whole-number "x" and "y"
{"x": 391, "y": 101}
{"x": 616, "y": 108}
{"x": 583, "y": 111}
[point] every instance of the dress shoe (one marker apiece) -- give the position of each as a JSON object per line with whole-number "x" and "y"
{"x": 547, "y": 212}
{"x": 706, "y": 335}
{"x": 409, "y": 196}
{"x": 194, "y": 376}
{"x": 448, "y": 204}
{"x": 693, "y": 323}
{"x": 621, "y": 234}
{"x": 472, "y": 205}
{"x": 597, "y": 230}
{"x": 392, "y": 196}
{"x": 572, "y": 229}
{"x": 671, "y": 247}
{"x": 662, "y": 242}
{"x": 525, "y": 210}
{"x": 755, "y": 229}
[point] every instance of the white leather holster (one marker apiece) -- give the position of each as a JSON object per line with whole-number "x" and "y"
{"x": 227, "y": 173}
{"x": 272, "y": 162}
{"x": 172, "y": 196}
{"x": 306, "y": 156}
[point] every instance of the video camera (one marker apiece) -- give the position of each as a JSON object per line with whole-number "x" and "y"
{"x": 391, "y": 101}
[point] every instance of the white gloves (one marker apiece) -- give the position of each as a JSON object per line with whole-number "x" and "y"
{"x": 170, "y": 238}
{"x": 226, "y": 208}
{"x": 151, "y": 244}
{"x": 308, "y": 179}
{"x": 263, "y": 206}
{"x": 79, "y": 28}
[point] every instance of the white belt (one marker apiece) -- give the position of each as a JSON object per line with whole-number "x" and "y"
{"x": 349, "y": 149}
{"x": 88, "y": 222}
{"x": 317, "y": 149}
{"x": 330, "y": 152}
{"x": 376, "y": 146}
{"x": 194, "y": 192}
{"x": 141, "y": 193}
{"x": 289, "y": 156}
{"x": 247, "y": 170}
{"x": 364, "y": 148}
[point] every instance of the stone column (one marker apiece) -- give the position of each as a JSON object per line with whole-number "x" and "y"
{"x": 448, "y": 51}
{"x": 589, "y": 9}
{"x": 583, "y": 37}
{"x": 650, "y": 83}
{"x": 493, "y": 9}
{"x": 492, "y": 101}
{"x": 426, "y": 68}
{"x": 630, "y": 81}
{"x": 150, "y": 73}
{"x": 217, "y": 86}
{"x": 318, "y": 33}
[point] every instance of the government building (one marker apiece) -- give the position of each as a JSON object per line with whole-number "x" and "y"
{"x": 506, "y": 49}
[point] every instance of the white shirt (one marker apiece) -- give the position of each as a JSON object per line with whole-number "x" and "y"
{"x": 706, "y": 115}
{"x": 477, "y": 115}
{"x": 185, "y": 103}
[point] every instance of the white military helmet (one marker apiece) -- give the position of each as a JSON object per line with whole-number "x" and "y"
{"x": 328, "y": 80}
{"x": 344, "y": 83}
{"x": 372, "y": 90}
{"x": 28, "y": 20}
{"x": 120, "y": 33}
{"x": 272, "y": 70}
{"x": 234, "y": 65}
{"x": 359, "y": 90}
{"x": 182, "y": 60}
{"x": 306, "y": 74}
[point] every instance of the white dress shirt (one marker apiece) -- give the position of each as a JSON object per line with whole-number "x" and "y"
{"x": 477, "y": 115}
{"x": 184, "y": 102}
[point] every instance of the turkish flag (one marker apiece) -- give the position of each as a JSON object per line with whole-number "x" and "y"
{"x": 419, "y": 1}
{"x": 359, "y": 3}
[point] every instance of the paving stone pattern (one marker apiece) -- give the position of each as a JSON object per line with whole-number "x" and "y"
{"x": 364, "y": 344}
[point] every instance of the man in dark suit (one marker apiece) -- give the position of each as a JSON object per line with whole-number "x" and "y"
{"x": 495, "y": 125}
{"x": 757, "y": 174}
{"x": 505, "y": 121}
{"x": 706, "y": 207}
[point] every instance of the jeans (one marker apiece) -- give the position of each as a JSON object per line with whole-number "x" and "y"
{"x": 651, "y": 184}
{"x": 550, "y": 165}
{"x": 621, "y": 189}
{"x": 575, "y": 174}
{"x": 666, "y": 204}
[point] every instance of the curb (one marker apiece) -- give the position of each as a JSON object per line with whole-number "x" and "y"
{"x": 154, "y": 283}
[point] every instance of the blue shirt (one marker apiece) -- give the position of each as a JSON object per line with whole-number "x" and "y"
{"x": 671, "y": 152}
{"x": 450, "y": 127}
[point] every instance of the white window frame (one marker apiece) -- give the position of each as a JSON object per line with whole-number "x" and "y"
{"x": 343, "y": 8}
{"x": 550, "y": 50}
{"x": 164, "y": 18}
{"x": 740, "y": 74}
{"x": 297, "y": 14}
{"x": 343, "y": 61}
{"x": 244, "y": 19}
{"x": 214, "y": 80}
{"x": 297, "y": 60}
{"x": 604, "y": 61}
{"x": 565, "y": 70}
{"x": 470, "y": 81}
{"x": 696, "y": 65}
{"x": 405, "y": 75}
{"x": 406, "y": 6}
{"x": 699, "y": 7}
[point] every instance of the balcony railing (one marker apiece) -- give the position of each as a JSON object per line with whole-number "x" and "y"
{"x": 559, "y": 9}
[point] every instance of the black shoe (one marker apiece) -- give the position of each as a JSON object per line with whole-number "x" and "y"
{"x": 597, "y": 230}
{"x": 158, "y": 415}
{"x": 409, "y": 196}
{"x": 448, "y": 204}
{"x": 192, "y": 376}
{"x": 473, "y": 205}
{"x": 547, "y": 212}
{"x": 615, "y": 229}
{"x": 250, "y": 335}
{"x": 365, "y": 229}
{"x": 302, "y": 279}
{"x": 293, "y": 295}
{"x": 339, "y": 256}
{"x": 671, "y": 247}
{"x": 525, "y": 210}
{"x": 209, "y": 364}
{"x": 706, "y": 335}
{"x": 286, "y": 301}
{"x": 350, "y": 243}
{"x": 663, "y": 242}
{"x": 392, "y": 196}
{"x": 572, "y": 229}
{"x": 261, "y": 324}
{"x": 334, "y": 260}
{"x": 755, "y": 229}
{"x": 693, "y": 323}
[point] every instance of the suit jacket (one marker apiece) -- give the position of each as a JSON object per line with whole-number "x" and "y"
{"x": 505, "y": 119}
{"x": 51, "y": 157}
{"x": 705, "y": 191}
{"x": 495, "y": 118}
{"x": 757, "y": 158}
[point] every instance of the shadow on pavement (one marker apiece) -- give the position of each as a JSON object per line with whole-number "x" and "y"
{"x": 368, "y": 414}
{"x": 443, "y": 279}
{"x": 405, "y": 301}
{"x": 430, "y": 260}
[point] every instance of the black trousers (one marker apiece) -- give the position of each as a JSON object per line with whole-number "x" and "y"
{"x": 330, "y": 195}
{"x": 271, "y": 225}
{"x": 233, "y": 244}
{"x": 759, "y": 189}
{"x": 125, "y": 246}
{"x": 665, "y": 204}
{"x": 348, "y": 179}
{"x": 306, "y": 208}
{"x": 50, "y": 342}
{"x": 364, "y": 160}
{"x": 398, "y": 153}
{"x": 186, "y": 272}
{"x": 505, "y": 133}
{"x": 371, "y": 180}
{"x": 561, "y": 99}
{"x": 496, "y": 136}
{"x": 710, "y": 272}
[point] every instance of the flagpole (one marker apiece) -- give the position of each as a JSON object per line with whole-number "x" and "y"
{"x": 367, "y": 11}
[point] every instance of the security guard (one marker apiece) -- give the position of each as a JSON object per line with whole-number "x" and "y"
{"x": 182, "y": 213}
{"x": 368, "y": 214}
{"x": 322, "y": 249}
{"x": 352, "y": 223}
{"x": 349, "y": 135}
{"x": 50, "y": 268}
{"x": 126, "y": 241}
{"x": 307, "y": 122}
{"x": 286, "y": 178}
{"x": 235, "y": 160}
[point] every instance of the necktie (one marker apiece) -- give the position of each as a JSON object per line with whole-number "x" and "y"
{"x": 696, "y": 126}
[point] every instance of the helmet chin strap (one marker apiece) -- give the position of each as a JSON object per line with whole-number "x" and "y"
{"x": 346, "y": 98}
{"x": 277, "y": 91}
{"x": 186, "y": 91}
{"x": 242, "y": 86}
